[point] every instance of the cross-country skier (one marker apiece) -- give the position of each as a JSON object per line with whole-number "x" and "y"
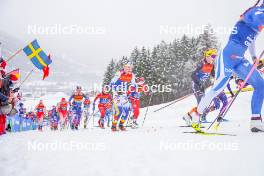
{"x": 62, "y": 109}
{"x": 134, "y": 97}
{"x": 203, "y": 72}
{"x": 104, "y": 106}
{"x": 86, "y": 110}
{"x": 76, "y": 106}
{"x": 120, "y": 84}
{"x": 40, "y": 113}
{"x": 54, "y": 118}
{"x": 232, "y": 59}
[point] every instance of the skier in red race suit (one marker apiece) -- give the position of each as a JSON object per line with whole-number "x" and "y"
{"x": 134, "y": 95}
{"x": 40, "y": 112}
{"x": 104, "y": 106}
{"x": 62, "y": 109}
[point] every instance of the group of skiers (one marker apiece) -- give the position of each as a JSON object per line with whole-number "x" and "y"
{"x": 121, "y": 103}
{"x": 117, "y": 104}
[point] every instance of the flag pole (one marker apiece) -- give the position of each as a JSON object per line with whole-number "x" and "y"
{"x": 16, "y": 53}
{"x": 26, "y": 78}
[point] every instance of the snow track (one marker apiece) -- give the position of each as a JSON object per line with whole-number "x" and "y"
{"x": 159, "y": 148}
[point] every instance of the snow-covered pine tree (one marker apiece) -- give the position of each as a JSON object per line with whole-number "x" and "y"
{"x": 170, "y": 63}
{"x": 207, "y": 40}
{"x": 109, "y": 73}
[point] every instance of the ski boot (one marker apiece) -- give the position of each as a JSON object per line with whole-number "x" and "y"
{"x": 76, "y": 127}
{"x": 130, "y": 122}
{"x": 121, "y": 125}
{"x": 203, "y": 118}
{"x": 134, "y": 124}
{"x": 72, "y": 126}
{"x": 221, "y": 119}
{"x": 122, "y": 128}
{"x": 256, "y": 124}
{"x": 189, "y": 116}
{"x": 85, "y": 122}
{"x": 113, "y": 128}
{"x": 101, "y": 123}
{"x": 195, "y": 123}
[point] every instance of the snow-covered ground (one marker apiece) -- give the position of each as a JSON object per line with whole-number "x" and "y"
{"x": 159, "y": 148}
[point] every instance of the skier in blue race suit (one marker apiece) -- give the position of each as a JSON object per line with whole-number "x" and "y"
{"x": 76, "y": 106}
{"x": 232, "y": 59}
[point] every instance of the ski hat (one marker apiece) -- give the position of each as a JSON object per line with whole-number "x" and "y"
{"x": 128, "y": 64}
{"x": 104, "y": 89}
{"x": 63, "y": 99}
{"x": 210, "y": 53}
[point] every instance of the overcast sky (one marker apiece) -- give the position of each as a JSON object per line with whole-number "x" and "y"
{"x": 115, "y": 27}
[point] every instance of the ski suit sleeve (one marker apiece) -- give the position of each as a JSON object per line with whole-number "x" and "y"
{"x": 95, "y": 99}
{"x": 71, "y": 98}
{"x": 194, "y": 73}
{"x": 213, "y": 72}
{"x": 115, "y": 78}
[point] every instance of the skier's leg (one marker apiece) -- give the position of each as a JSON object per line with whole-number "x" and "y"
{"x": 136, "y": 108}
{"x": 198, "y": 92}
{"x": 124, "y": 117}
{"x": 223, "y": 73}
{"x": 223, "y": 98}
{"x": 102, "y": 110}
{"x": 117, "y": 115}
{"x": 257, "y": 82}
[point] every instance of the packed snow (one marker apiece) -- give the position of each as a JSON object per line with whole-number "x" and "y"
{"x": 159, "y": 148}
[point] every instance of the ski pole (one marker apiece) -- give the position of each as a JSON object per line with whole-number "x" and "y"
{"x": 175, "y": 101}
{"x": 225, "y": 110}
{"x": 145, "y": 116}
{"x": 93, "y": 118}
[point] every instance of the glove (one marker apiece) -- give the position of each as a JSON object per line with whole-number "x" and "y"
{"x": 260, "y": 65}
{"x": 200, "y": 86}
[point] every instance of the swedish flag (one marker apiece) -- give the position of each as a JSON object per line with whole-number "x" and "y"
{"x": 37, "y": 56}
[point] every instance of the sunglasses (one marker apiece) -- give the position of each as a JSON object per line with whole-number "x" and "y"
{"x": 213, "y": 56}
